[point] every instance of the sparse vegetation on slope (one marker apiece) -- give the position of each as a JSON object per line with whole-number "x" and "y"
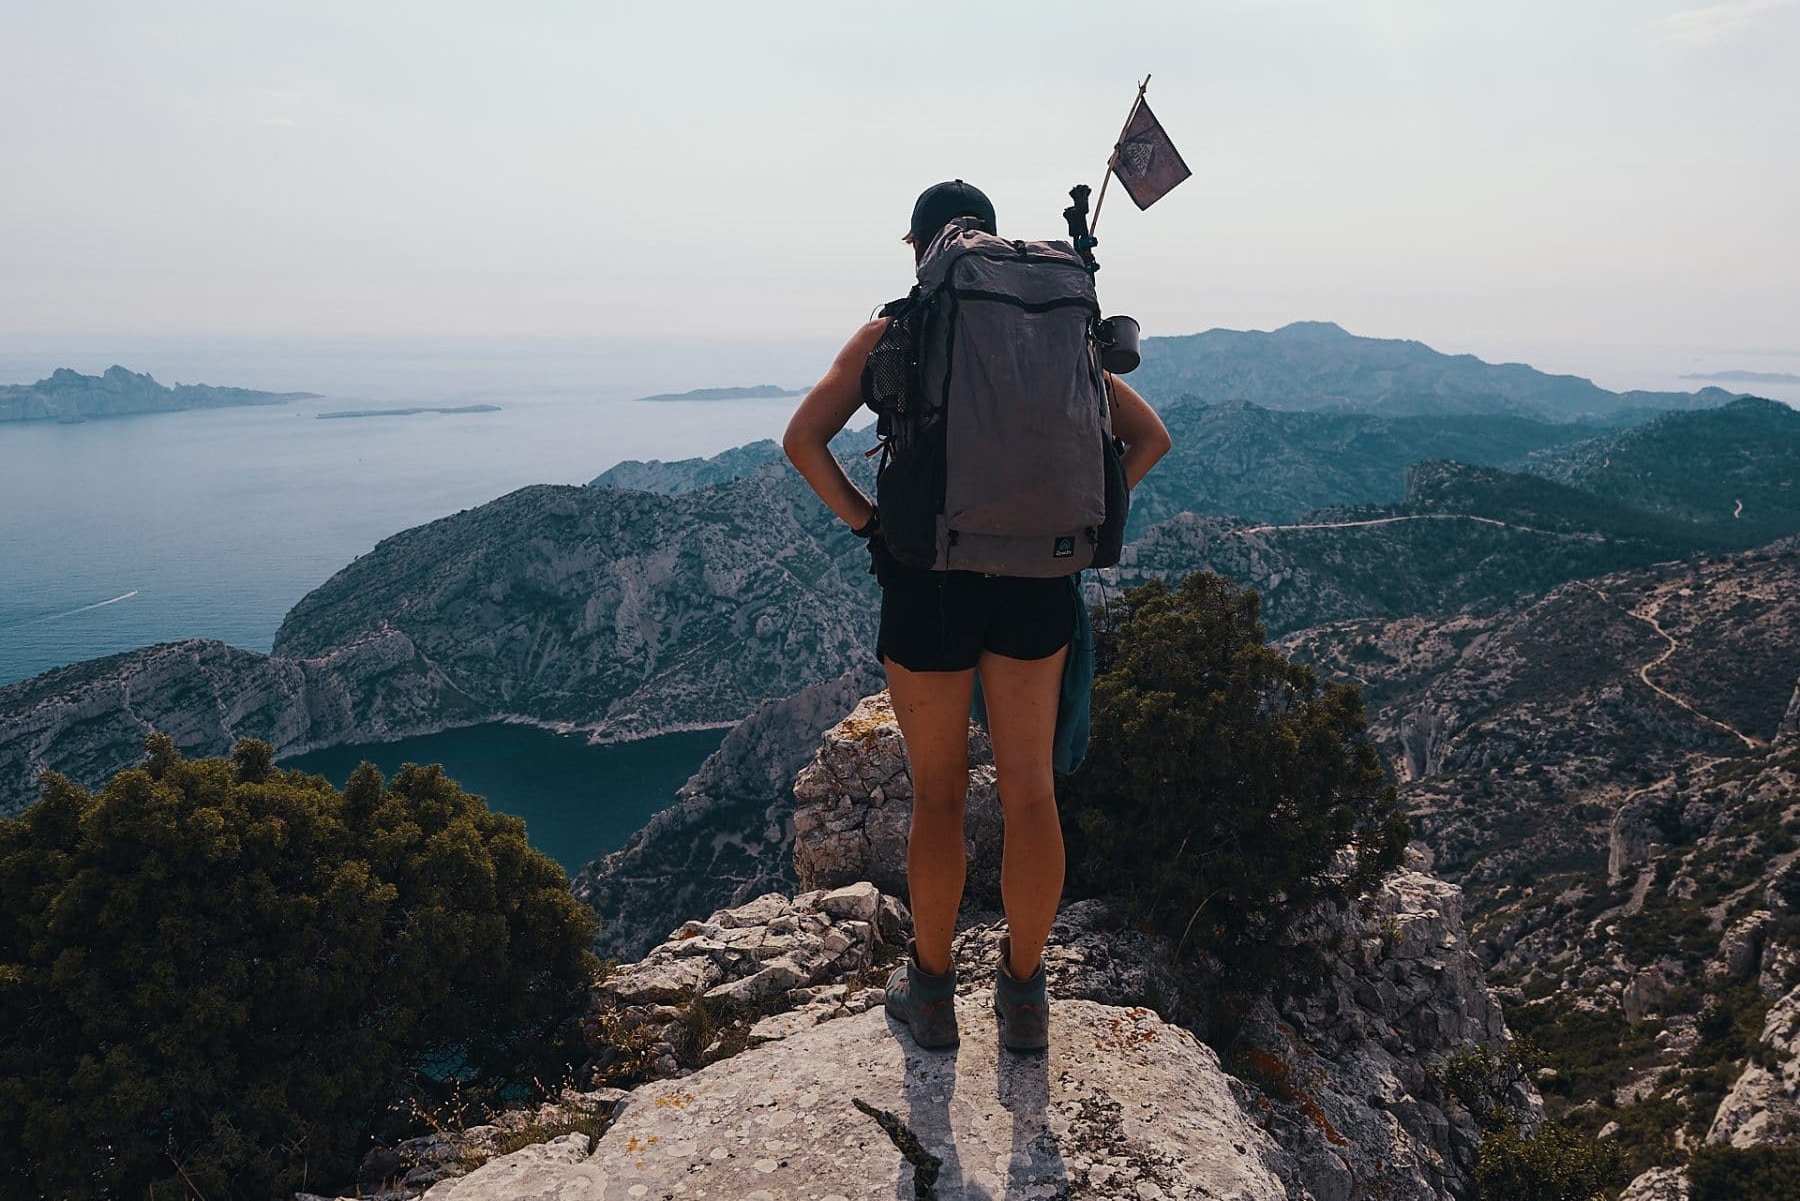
{"x": 1735, "y": 469}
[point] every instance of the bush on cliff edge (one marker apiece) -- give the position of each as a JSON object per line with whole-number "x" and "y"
{"x": 1222, "y": 781}
{"x": 218, "y": 978}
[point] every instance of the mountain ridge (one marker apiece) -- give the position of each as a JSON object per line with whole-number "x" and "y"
{"x": 1284, "y": 369}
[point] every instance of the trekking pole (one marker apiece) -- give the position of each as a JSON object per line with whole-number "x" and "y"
{"x": 1106, "y": 177}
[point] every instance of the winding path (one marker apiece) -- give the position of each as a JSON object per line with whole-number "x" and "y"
{"x": 1648, "y": 613}
{"x": 1352, "y": 525}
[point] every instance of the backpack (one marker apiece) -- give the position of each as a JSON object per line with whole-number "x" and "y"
{"x": 996, "y": 436}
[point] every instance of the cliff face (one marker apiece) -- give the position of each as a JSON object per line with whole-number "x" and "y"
{"x": 89, "y": 721}
{"x": 622, "y": 612}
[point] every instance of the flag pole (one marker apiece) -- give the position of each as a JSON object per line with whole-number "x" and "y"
{"x": 1106, "y": 177}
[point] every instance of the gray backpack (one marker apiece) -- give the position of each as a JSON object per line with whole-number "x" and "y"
{"x": 998, "y": 447}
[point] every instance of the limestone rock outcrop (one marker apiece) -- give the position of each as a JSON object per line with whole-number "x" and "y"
{"x": 1355, "y": 1106}
{"x": 1658, "y": 1184}
{"x": 853, "y": 803}
{"x": 1123, "y": 1105}
{"x": 1329, "y": 1096}
{"x": 729, "y": 836}
{"x": 1764, "y": 1105}
{"x": 764, "y": 949}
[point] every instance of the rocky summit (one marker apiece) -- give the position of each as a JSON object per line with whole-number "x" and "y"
{"x": 1123, "y": 1105}
{"x": 749, "y": 1055}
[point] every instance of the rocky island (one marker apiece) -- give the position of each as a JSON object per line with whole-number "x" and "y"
{"x": 69, "y": 396}
{"x": 752, "y": 392}
{"x": 409, "y": 411}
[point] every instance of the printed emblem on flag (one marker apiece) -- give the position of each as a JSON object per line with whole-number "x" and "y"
{"x": 1146, "y": 162}
{"x": 1137, "y": 157}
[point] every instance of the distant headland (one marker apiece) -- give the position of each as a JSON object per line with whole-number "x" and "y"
{"x": 755, "y": 392}
{"x": 69, "y": 396}
{"x": 1746, "y": 377}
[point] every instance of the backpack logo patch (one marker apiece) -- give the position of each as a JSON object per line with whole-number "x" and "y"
{"x": 1065, "y": 548}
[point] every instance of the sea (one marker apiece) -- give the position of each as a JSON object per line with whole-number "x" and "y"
{"x": 126, "y": 531}
{"x": 123, "y": 532}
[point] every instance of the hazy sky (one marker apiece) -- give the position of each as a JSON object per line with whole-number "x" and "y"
{"x": 1583, "y": 171}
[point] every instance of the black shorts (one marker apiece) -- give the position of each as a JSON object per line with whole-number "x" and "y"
{"x": 944, "y": 620}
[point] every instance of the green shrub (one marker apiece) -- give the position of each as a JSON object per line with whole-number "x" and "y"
{"x": 1222, "y": 780}
{"x": 1488, "y": 1081}
{"x": 220, "y": 978}
{"x": 1558, "y": 1163}
{"x": 1732, "y": 1173}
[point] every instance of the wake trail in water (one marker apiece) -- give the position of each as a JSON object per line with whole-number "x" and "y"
{"x": 123, "y": 596}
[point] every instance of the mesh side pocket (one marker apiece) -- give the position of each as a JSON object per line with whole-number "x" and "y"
{"x": 889, "y": 375}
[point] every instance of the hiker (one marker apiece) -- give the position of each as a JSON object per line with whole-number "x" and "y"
{"x": 941, "y": 625}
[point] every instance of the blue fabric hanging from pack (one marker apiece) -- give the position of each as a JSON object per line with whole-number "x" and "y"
{"x": 1074, "y": 702}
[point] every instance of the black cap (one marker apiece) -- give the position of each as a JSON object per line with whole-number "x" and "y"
{"x": 942, "y": 202}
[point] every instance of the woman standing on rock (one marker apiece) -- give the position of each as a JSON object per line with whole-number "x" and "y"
{"x": 993, "y": 489}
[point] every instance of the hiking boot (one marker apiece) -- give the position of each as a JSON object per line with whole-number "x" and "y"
{"x": 1023, "y": 1006}
{"x": 926, "y": 1003}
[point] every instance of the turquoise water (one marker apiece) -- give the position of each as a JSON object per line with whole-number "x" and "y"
{"x": 578, "y": 801}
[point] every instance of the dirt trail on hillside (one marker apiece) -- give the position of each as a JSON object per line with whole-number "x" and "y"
{"x": 1648, "y": 612}
{"x": 1353, "y": 525}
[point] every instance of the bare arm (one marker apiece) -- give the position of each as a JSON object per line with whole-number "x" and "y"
{"x": 1136, "y": 424}
{"x": 822, "y": 413}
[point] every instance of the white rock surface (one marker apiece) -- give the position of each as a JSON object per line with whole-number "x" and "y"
{"x": 557, "y": 1169}
{"x": 1123, "y": 1106}
{"x": 1658, "y": 1184}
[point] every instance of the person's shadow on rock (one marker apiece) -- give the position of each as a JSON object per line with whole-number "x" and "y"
{"x": 932, "y": 1169}
{"x": 1036, "y": 1160}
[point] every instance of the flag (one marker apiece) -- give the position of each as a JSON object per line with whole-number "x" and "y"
{"x": 1146, "y": 162}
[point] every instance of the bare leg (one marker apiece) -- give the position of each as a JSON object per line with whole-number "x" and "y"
{"x": 1022, "y": 697}
{"x": 933, "y": 709}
